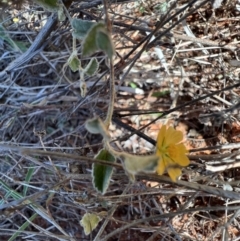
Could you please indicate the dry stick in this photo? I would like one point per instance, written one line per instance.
(220, 147)
(31, 198)
(34, 49)
(146, 42)
(111, 212)
(109, 115)
(150, 177)
(214, 157)
(178, 108)
(181, 19)
(205, 41)
(222, 167)
(71, 157)
(39, 135)
(167, 223)
(94, 3)
(179, 36)
(147, 39)
(159, 25)
(236, 215)
(44, 230)
(162, 23)
(167, 215)
(32, 233)
(212, 190)
(118, 122)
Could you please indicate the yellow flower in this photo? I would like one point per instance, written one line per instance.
(171, 151)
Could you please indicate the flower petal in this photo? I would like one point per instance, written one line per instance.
(161, 166)
(182, 148)
(181, 158)
(173, 136)
(183, 161)
(174, 173)
(170, 163)
(161, 136)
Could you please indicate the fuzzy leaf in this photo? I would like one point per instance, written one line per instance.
(61, 14)
(80, 28)
(92, 67)
(101, 173)
(89, 222)
(89, 45)
(96, 126)
(104, 42)
(74, 62)
(134, 164)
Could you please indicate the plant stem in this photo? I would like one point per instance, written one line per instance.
(112, 96)
(112, 86)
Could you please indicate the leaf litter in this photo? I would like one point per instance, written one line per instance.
(37, 97)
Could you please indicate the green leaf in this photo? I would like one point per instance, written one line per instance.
(96, 126)
(50, 5)
(74, 62)
(23, 227)
(104, 42)
(92, 67)
(101, 173)
(27, 180)
(81, 27)
(134, 164)
(160, 93)
(133, 85)
(89, 45)
(89, 222)
(97, 38)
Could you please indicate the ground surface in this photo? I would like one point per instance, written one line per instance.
(188, 77)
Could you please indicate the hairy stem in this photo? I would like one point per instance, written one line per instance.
(112, 96)
(112, 86)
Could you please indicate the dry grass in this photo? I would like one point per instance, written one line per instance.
(189, 77)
